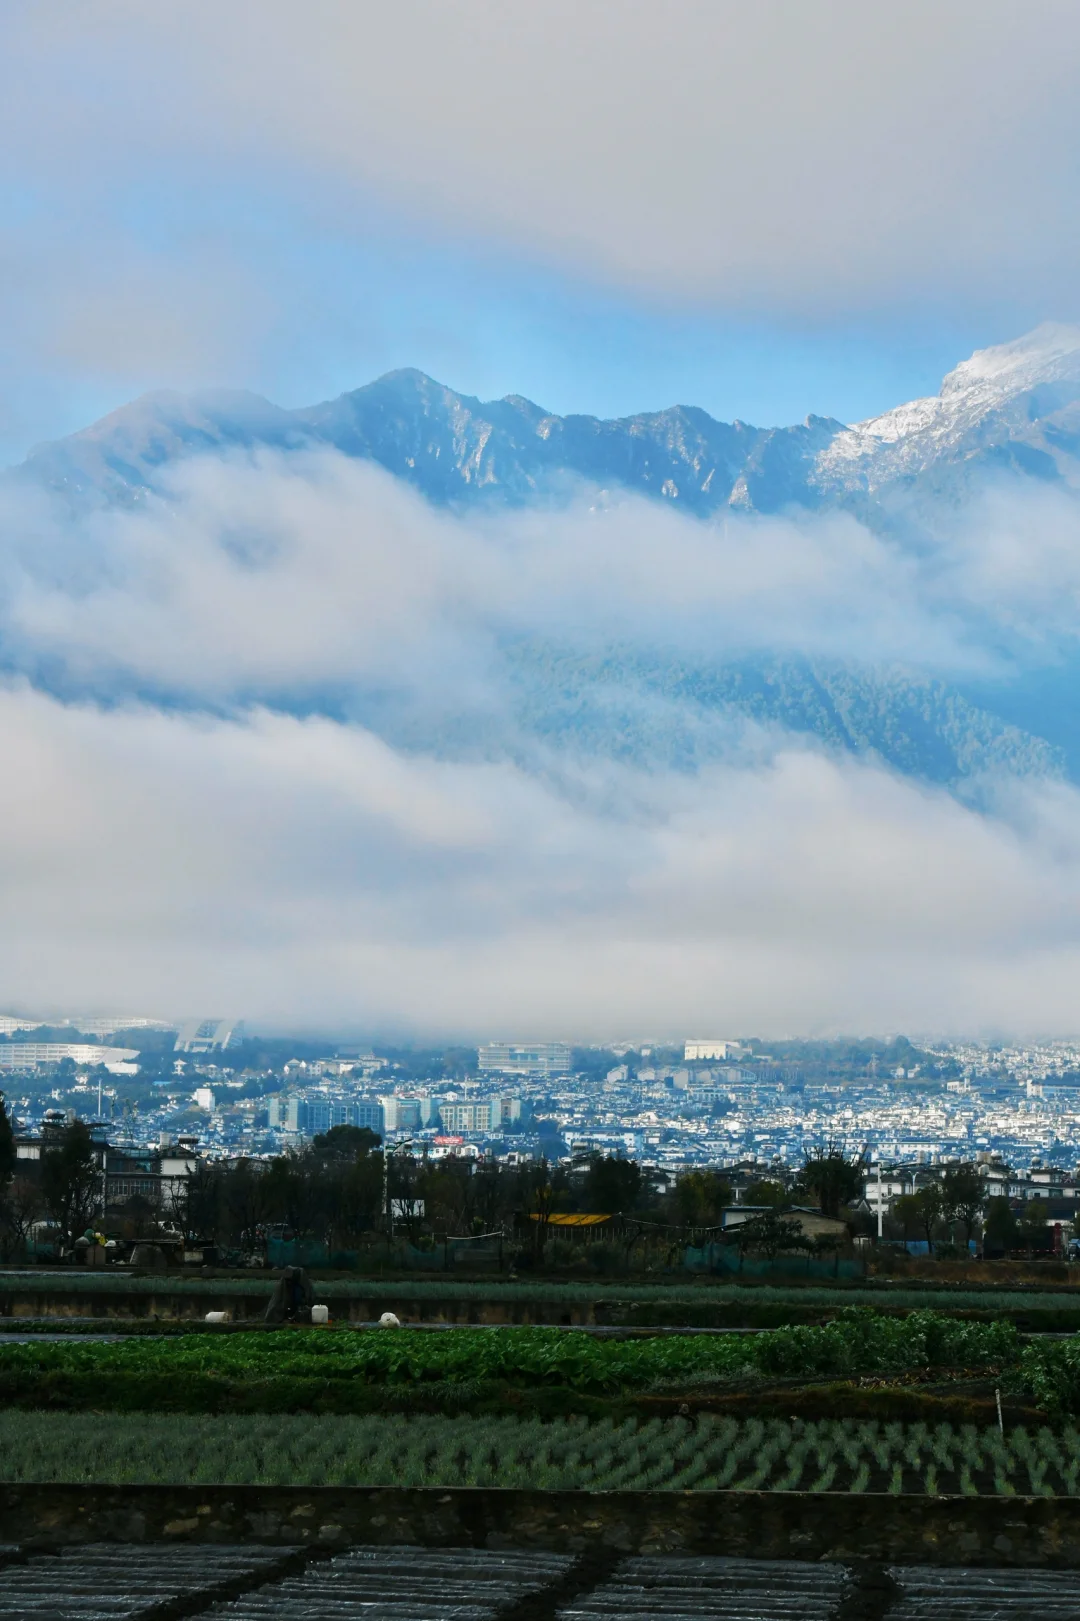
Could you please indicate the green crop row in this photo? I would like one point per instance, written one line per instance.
(857, 1342)
(707, 1453)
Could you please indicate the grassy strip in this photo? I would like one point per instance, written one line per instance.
(706, 1293)
(959, 1401)
(618, 1314)
(704, 1453)
(858, 1342)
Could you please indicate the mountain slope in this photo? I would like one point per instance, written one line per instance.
(648, 709)
(1015, 406)
(123, 455)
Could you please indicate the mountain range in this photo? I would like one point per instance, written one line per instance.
(1014, 407)
(1010, 411)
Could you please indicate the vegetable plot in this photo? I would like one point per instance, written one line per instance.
(858, 1342)
(701, 1454)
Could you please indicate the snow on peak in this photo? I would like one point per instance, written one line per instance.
(907, 438)
(1050, 352)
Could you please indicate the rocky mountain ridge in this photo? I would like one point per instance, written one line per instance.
(1016, 406)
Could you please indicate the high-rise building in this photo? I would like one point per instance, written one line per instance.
(309, 1115)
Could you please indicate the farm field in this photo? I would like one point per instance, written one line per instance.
(702, 1454)
(858, 1342)
(920, 1367)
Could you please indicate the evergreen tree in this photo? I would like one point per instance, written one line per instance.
(7, 1145)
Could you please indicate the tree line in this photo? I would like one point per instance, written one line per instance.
(341, 1189)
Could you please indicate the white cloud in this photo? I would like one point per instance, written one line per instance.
(301, 870)
(307, 869)
(767, 155)
(288, 575)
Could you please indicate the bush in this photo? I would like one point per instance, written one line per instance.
(1049, 1371)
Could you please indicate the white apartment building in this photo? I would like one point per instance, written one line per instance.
(491, 1115)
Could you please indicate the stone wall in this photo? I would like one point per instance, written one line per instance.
(774, 1525)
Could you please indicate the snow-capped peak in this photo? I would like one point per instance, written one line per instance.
(1051, 351)
(903, 440)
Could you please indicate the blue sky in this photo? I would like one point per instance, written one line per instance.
(325, 304)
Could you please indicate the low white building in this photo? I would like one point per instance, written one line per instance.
(700, 1052)
(34, 1054)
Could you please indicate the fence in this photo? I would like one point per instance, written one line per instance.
(484, 1251)
(725, 1259)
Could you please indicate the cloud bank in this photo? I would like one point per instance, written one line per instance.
(809, 160)
(204, 806)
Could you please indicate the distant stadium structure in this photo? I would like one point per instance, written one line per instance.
(208, 1035)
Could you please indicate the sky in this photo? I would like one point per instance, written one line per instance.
(756, 206)
(762, 209)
